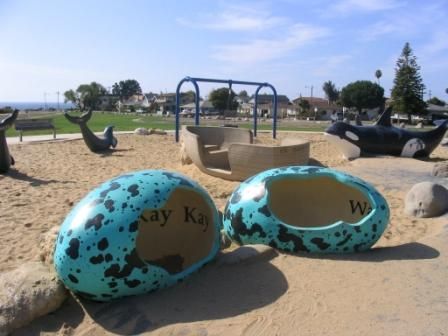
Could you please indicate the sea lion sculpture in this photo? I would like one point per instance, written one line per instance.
(6, 160)
(94, 143)
(384, 139)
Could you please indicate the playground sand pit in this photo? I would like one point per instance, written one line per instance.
(398, 288)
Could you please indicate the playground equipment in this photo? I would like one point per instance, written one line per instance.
(384, 139)
(94, 143)
(137, 233)
(6, 160)
(305, 208)
(229, 153)
(230, 82)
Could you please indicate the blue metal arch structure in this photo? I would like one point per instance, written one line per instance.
(195, 81)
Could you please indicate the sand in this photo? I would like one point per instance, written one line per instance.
(398, 288)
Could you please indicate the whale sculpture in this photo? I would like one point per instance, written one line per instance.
(384, 139)
(94, 143)
(6, 160)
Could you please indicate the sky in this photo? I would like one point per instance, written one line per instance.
(51, 46)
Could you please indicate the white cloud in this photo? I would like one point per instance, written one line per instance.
(354, 6)
(260, 50)
(235, 18)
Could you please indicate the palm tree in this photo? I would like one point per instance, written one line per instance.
(378, 75)
(331, 91)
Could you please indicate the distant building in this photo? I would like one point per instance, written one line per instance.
(265, 106)
(320, 108)
(167, 101)
(134, 103)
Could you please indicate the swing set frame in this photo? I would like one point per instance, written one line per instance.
(229, 82)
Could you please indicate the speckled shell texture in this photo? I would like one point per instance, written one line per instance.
(96, 254)
(248, 218)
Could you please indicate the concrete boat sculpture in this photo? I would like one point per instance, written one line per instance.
(384, 139)
(305, 208)
(136, 233)
(94, 143)
(6, 160)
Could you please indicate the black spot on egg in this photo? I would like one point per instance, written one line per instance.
(133, 190)
(73, 250)
(265, 210)
(343, 242)
(108, 257)
(113, 186)
(284, 236)
(132, 283)
(103, 244)
(112, 284)
(133, 226)
(95, 222)
(73, 278)
(109, 205)
(97, 259)
(320, 243)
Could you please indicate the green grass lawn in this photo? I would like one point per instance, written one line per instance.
(130, 122)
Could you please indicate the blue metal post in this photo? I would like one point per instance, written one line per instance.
(196, 99)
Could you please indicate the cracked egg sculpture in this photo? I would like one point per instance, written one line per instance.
(304, 208)
(136, 233)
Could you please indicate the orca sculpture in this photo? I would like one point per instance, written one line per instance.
(6, 160)
(94, 143)
(384, 139)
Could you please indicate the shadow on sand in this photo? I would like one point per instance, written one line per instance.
(409, 251)
(203, 296)
(34, 182)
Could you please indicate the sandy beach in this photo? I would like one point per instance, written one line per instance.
(397, 288)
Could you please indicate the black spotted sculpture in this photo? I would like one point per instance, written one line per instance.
(384, 139)
(6, 160)
(94, 143)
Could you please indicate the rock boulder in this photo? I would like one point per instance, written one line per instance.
(426, 199)
(26, 293)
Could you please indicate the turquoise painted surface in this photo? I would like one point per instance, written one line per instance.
(95, 254)
(249, 220)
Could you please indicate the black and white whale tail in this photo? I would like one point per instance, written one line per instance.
(95, 144)
(6, 160)
(82, 119)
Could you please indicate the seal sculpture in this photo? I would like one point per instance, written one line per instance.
(306, 208)
(94, 143)
(136, 233)
(6, 160)
(384, 139)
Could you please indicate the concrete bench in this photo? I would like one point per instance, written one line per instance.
(22, 125)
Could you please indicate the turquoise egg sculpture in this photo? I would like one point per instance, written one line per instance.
(136, 233)
(306, 208)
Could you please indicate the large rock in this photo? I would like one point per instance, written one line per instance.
(30, 291)
(47, 243)
(426, 199)
(246, 253)
(440, 169)
(141, 131)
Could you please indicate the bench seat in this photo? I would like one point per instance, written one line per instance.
(23, 125)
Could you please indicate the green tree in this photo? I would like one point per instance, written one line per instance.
(408, 89)
(304, 105)
(86, 96)
(362, 94)
(127, 88)
(223, 100)
(378, 75)
(436, 101)
(331, 92)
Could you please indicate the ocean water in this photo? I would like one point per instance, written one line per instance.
(37, 105)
